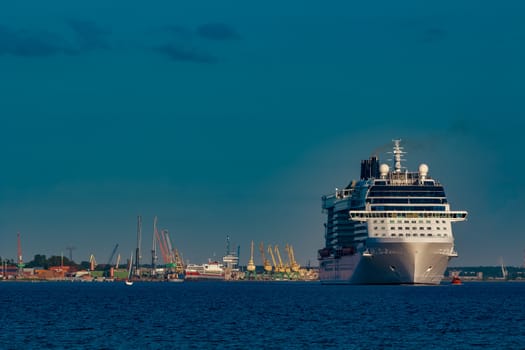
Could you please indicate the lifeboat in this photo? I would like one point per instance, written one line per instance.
(455, 280)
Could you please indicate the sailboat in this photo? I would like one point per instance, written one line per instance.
(129, 282)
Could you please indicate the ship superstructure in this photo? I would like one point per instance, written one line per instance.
(390, 227)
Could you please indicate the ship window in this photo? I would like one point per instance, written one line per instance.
(429, 228)
(407, 228)
(392, 221)
(439, 228)
(393, 235)
(443, 221)
(437, 221)
(421, 228)
(439, 234)
(375, 227)
(422, 235)
(400, 235)
(445, 235)
(414, 228)
(420, 221)
(413, 221)
(429, 235)
(428, 221)
(383, 235)
(399, 228)
(382, 228)
(392, 228)
(375, 221)
(406, 221)
(444, 228)
(408, 234)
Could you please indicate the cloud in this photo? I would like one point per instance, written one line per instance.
(217, 31)
(32, 44)
(183, 42)
(89, 35)
(186, 54)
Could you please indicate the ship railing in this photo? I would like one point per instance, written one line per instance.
(364, 215)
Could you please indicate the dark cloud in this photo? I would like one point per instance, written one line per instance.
(32, 44)
(90, 36)
(180, 53)
(217, 31)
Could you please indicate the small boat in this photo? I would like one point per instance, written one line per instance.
(455, 280)
(129, 282)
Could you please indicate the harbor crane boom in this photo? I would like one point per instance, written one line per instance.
(267, 265)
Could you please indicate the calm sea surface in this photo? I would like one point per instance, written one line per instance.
(253, 315)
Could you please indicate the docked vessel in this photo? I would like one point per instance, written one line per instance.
(211, 270)
(389, 227)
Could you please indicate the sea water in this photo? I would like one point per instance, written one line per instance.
(260, 315)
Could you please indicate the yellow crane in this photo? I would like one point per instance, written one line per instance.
(282, 268)
(294, 266)
(275, 267)
(267, 265)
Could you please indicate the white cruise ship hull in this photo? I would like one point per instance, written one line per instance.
(389, 263)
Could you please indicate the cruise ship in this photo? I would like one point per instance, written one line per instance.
(391, 226)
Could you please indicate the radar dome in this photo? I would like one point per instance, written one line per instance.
(423, 170)
(383, 170)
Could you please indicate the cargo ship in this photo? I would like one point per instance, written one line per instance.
(391, 226)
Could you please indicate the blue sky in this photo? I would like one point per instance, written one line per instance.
(234, 118)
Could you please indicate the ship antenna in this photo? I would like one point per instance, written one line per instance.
(398, 155)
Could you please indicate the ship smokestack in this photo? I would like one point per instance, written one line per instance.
(370, 168)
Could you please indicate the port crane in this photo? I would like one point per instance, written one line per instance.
(118, 261)
(283, 269)
(266, 264)
(107, 267)
(170, 256)
(294, 266)
(275, 266)
(250, 268)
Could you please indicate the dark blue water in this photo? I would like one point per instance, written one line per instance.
(244, 315)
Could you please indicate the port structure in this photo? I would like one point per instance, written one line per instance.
(108, 268)
(92, 263)
(20, 261)
(170, 256)
(294, 266)
(251, 272)
(136, 269)
(284, 269)
(267, 266)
